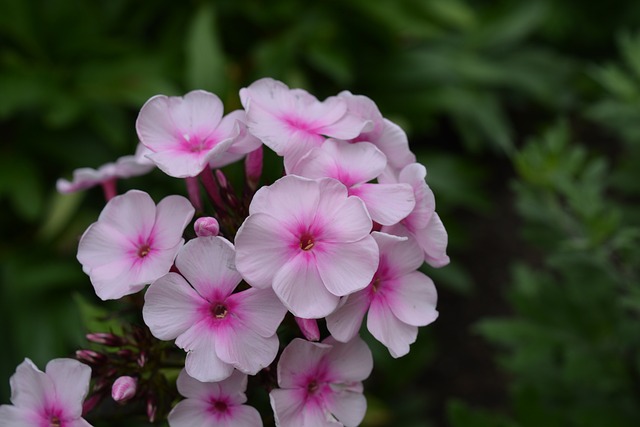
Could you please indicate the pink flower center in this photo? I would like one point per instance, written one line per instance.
(219, 311)
(306, 242)
(375, 283)
(313, 387)
(144, 250)
(220, 406)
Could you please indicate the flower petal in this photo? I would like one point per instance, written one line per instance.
(348, 407)
(298, 360)
(30, 387)
(290, 410)
(192, 413)
(387, 204)
(259, 310)
(208, 263)
(390, 331)
(173, 214)
(349, 362)
(345, 322)
(202, 361)
(301, 289)
(413, 299)
(245, 349)
(399, 255)
(170, 307)
(71, 381)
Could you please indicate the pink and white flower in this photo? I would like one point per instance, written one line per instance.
(355, 165)
(219, 329)
(213, 404)
(50, 398)
(423, 224)
(310, 241)
(187, 134)
(398, 299)
(124, 167)
(133, 242)
(292, 121)
(321, 384)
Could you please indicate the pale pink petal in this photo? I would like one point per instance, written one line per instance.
(348, 163)
(348, 127)
(12, 416)
(180, 164)
(298, 360)
(245, 416)
(348, 407)
(300, 143)
(83, 178)
(342, 219)
(102, 244)
(290, 411)
(200, 112)
(387, 204)
(413, 299)
(309, 328)
(170, 306)
(394, 144)
(80, 422)
(130, 166)
(299, 286)
(132, 214)
(345, 322)
(208, 265)
(246, 142)
(173, 214)
(347, 267)
(245, 349)
(202, 361)
(363, 107)
(193, 389)
(30, 387)
(390, 331)
(259, 310)
(291, 199)
(400, 255)
(260, 246)
(349, 362)
(71, 380)
(433, 239)
(263, 124)
(192, 413)
(233, 388)
(154, 124)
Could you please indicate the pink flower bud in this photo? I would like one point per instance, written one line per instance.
(206, 226)
(309, 328)
(124, 388)
(105, 339)
(253, 167)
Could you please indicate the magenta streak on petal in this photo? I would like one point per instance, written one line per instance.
(190, 143)
(296, 123)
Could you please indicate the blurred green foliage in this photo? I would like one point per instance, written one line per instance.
(469, 80)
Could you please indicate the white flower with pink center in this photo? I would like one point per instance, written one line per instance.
(292, 121)
(321, 384)
(219, 329)
(133, 242)
(310, 241)
(355, 165)
(219, 404)
(47, 399)
(398, 299)
(186, 134)
(423, 224)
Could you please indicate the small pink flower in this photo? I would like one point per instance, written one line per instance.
(50, 398)
(423, 224)
(321, 384)
(188, 133)
(124, 167)
(219, 329)
(292, 121)
(398, 299)
(355, 165)
(124, 388)
(133, 242)
(214, 403)
(308, 240)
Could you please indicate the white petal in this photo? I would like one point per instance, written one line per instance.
(413, 300)
(387, 204)
(346, 268)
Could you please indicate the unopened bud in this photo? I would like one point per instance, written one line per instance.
(253, 167)
(152, 408)
(105, 339)
(222, 180)
(206, 226)
(91, 357)
(124, 388)
(309, 328)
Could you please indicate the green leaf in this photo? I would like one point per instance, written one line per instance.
(205, 61)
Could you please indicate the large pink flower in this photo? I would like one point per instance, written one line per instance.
(310, 241)
(219, 329)
(292, 121)
(423, 224)
(321, 384)
(219, 404)
(355, 165)
(188, 133)
(399, 298)
(133, 242)
(50, 398)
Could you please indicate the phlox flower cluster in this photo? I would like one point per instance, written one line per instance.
(338, 238)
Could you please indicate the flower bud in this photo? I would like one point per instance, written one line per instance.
(253, 167)
(124, 388)
(105, 339)
(206, 226)
(309, 328)
(91, 357)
